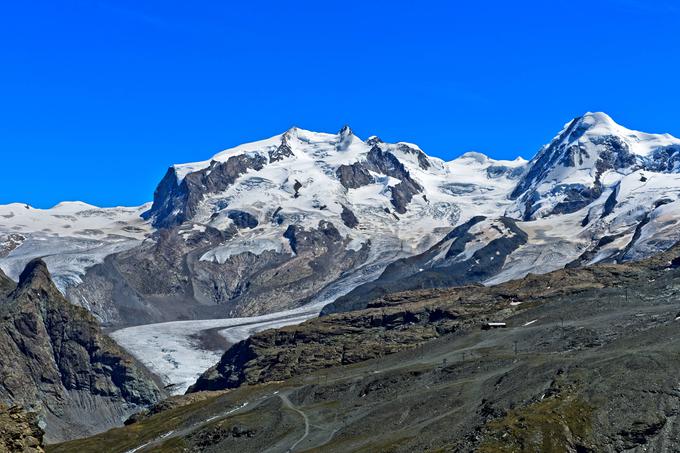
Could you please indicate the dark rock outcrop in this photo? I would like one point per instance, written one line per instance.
(167, 280)
(430, 270)
(665, 160)
(161, 280)
(282, 152)
(242, 219)
(175, 201)
(385, 163)
(55, 360)
(610, 203)
(7, 285)
(423, 161)
(354, 176)
(348, 217)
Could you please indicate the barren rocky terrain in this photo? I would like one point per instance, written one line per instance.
(56, 362)
(588, 362)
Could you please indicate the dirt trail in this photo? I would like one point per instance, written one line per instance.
(290, 405)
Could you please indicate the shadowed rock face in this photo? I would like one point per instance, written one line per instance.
(175, 202)
(242, 219)
(55, 360)
(423, 161)
(282, 152)
(348, 217)
(354, 176)
(666, 159)
(6, 285)
(166, 280)
(383, 162)
(430, 270)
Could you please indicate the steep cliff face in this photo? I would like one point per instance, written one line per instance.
(6, 285)
(176, 200)
(55, 360)
(167, 280)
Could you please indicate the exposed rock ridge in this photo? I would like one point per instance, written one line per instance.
(55, 360)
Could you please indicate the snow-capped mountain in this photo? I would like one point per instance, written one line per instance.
(307, 177)
(590, 154)
(300, 217)
(71, 237)
(597, 193)
(288, 225)
(305, 217)
(609, 190)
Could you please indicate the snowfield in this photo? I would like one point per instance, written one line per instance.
(70, 237)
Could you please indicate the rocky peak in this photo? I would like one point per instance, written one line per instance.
(55, 359)
(284, 150)
(345, 131)
(193, 188)
(345, 138)
(35, 277)
(373, 140)
(568, 173)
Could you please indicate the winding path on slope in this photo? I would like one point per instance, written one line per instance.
(290, 405)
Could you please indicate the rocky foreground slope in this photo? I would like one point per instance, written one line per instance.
(55, 361)
(19, 431)
(588, 362)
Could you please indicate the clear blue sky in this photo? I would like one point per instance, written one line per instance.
(98, 98)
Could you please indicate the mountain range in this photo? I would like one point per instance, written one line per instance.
(305, 217)
(276, 231)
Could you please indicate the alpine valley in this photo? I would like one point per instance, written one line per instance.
(320, 291)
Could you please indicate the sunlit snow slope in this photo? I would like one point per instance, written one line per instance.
(71, 237)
